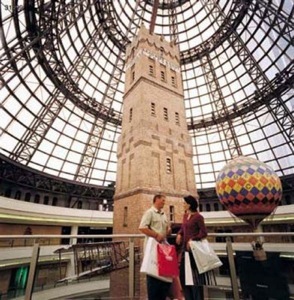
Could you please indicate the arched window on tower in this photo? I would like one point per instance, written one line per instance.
(207, 206)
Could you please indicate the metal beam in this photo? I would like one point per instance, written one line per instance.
(32, 273)
(153, 17)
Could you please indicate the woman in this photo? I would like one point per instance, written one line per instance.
(193, 228)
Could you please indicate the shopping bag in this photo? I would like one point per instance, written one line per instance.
(149, 264)
(167, 260)
(188, 270)
(204, 256)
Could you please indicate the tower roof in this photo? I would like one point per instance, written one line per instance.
(157, 42)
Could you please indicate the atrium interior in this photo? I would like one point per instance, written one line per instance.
(63, 76)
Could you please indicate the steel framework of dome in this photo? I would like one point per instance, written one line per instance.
(62, 81)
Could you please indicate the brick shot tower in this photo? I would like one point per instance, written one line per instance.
(154, 149)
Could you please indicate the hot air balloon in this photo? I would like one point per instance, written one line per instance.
(249, 189)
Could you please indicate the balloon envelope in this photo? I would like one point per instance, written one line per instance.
(249, 189)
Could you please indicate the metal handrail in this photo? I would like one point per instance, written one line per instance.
(226, 234)
(131, 252)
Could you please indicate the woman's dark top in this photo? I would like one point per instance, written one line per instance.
(192, 228)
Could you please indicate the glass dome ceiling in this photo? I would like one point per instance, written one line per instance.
(62, 81)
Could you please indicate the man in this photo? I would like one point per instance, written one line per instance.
(154, 224)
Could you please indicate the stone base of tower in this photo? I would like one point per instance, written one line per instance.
(119, 283)
(128, 211)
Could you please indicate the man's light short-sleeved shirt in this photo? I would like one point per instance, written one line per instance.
(155, 220)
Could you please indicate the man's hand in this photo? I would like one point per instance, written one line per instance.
(159, 237)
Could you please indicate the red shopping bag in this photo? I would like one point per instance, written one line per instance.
(167, 260)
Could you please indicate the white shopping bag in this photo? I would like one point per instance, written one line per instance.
(149, 264)
(204, 255)
(188, 270)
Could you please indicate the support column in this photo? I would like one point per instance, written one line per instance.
(70, 268)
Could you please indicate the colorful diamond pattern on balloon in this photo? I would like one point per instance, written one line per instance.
(246, 186)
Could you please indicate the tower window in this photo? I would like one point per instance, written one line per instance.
(153, 112)
(151, 70)
(125, 219)
(162, 72)
(168, 166)
(177, 118)
(151, 67)
(165, 113)
(174, 79)
(131, 115)
(133, 73)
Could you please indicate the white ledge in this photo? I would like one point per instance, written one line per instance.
(18, 211)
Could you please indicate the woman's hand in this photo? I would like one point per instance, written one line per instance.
(178, 239)
(188, 245)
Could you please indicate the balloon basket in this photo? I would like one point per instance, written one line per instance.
(259, 255)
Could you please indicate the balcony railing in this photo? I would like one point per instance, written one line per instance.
(43, 267)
